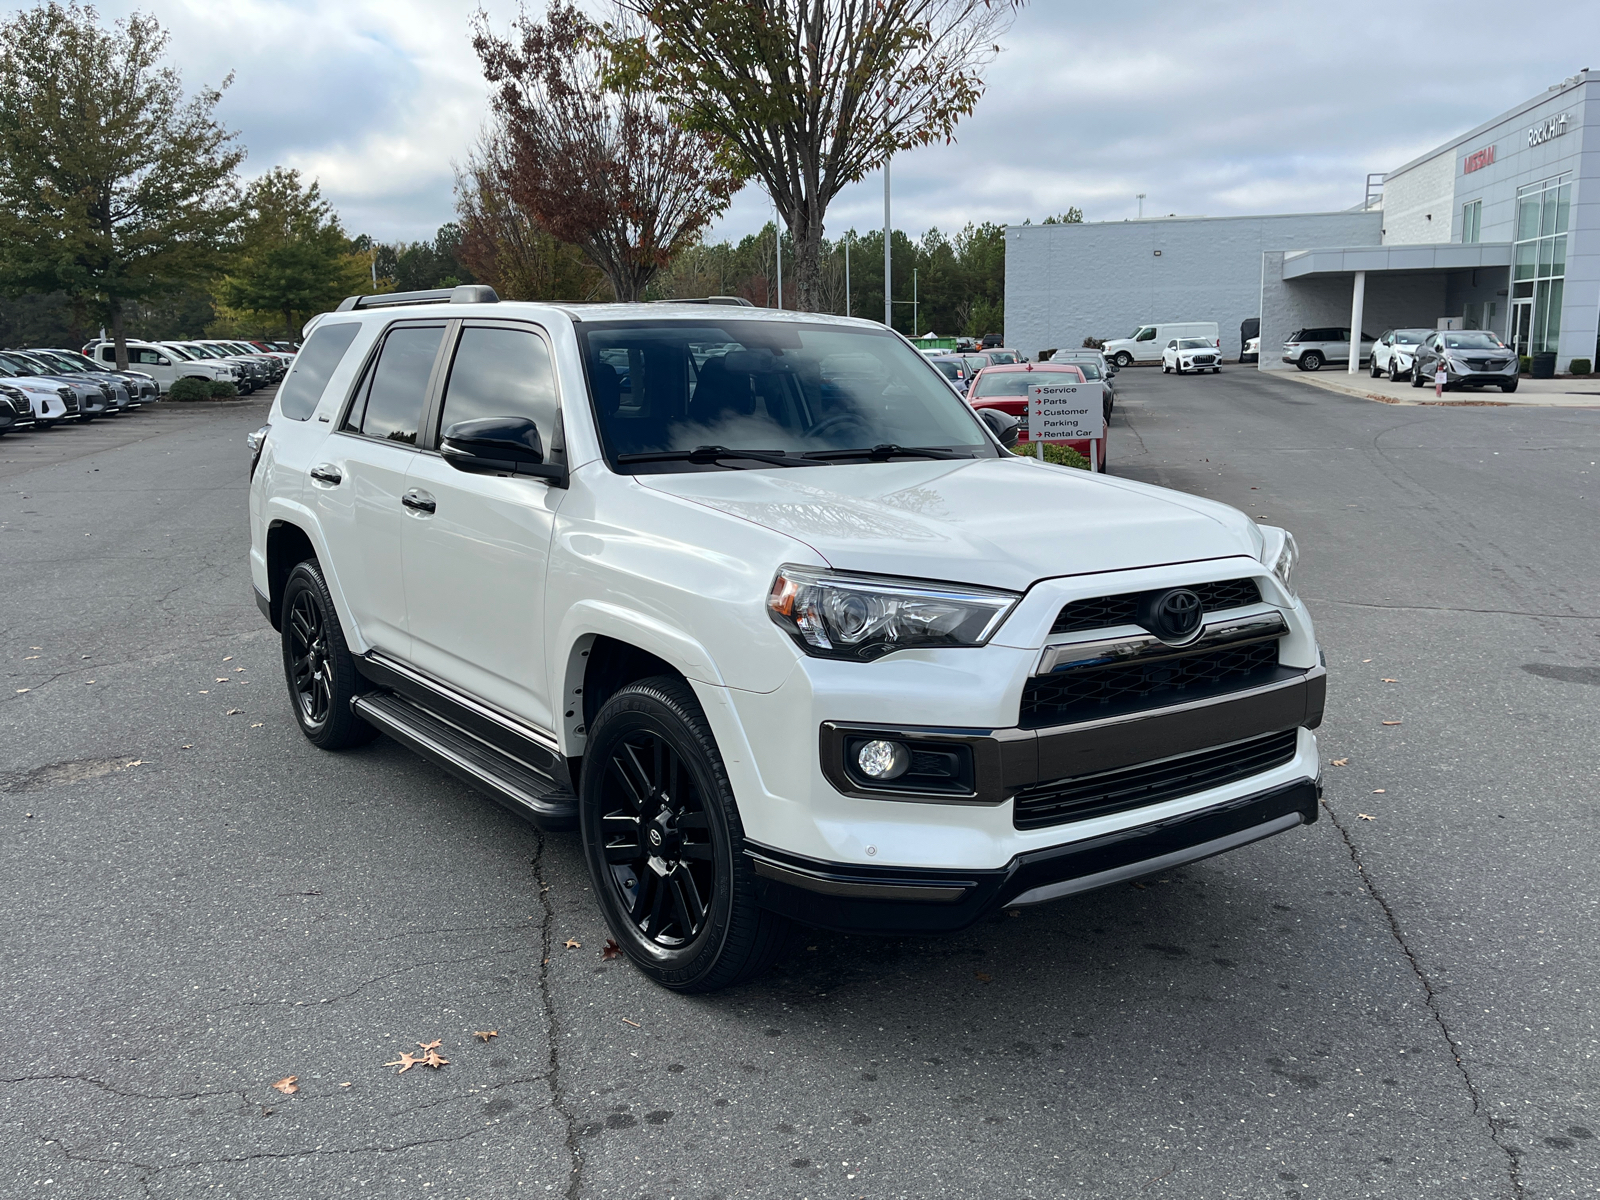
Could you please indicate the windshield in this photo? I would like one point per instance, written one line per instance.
(1472, 341)
(1015, 383)
(27, 362)
(1193, 344)
(1002, 358)
(1410, 337)
(790, 387)
(1090, 370)
(177, 352)
(952, 371)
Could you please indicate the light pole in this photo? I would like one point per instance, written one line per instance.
(1141, 206)
(777, 234)
(888, 264)
(847, 274)
(916, 325)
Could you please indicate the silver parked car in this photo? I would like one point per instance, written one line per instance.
(1310, 349)
(1471, 358)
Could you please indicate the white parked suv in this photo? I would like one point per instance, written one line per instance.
(770, 616)
(1191, 354)
(1395, 351)
(165, 364)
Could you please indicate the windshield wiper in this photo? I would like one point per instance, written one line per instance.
(884, 451)
(714, 454)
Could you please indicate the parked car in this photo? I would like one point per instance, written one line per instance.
(1394, 351)
(165, 364)
(1095, 370)
(955, 368)
(89, 399)
(1311, 349)
(1005, 388)
(1252, 351)
(52, 401)
(1146, 343)
(249, 374)
(114, 393)
(1191, 354)
(1250, 339)
(16, 410)
(272, 363)
(142, 387)
(1471, 358)
(876, 675)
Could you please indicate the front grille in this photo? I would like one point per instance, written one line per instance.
(1088, 796)
(1088, 694)
(1104, 611)
(1206, 359)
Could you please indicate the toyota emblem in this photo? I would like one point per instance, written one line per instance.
(655, 837)
(1174, 616)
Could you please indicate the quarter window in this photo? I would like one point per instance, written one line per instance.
(389, 405)
(302, 390)
(502, 373)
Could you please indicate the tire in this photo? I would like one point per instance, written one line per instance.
(1394, 370)
(1509, 386)
(1123, 360)
(1416, 376)
(665, 846)
(1216, 370)
(1311, 360)
(1166, 370)
(317, 666)
(1372, 368)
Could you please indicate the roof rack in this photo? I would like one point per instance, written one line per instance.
(735, 300)
(467, 293)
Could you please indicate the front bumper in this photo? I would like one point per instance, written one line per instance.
(892, 900)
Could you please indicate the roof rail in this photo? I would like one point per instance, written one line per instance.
(736, 300)
(467, 293)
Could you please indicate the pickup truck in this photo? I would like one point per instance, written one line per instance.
(759, 607)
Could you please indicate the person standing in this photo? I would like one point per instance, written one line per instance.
(1439, 378)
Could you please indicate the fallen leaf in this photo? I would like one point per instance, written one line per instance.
(1366, 660)
(433, 1059)
(611, 950)
(222, 679)
(433, 1045)
(344, 1085)
(31, 657)
(635, 1024)
(483, 1035)
(228, 658)
(573, 944)
(233, 712)
(1391, 681)
(1364, 817)
(186, 747)
(204, 692)
(1391, 722)
(405, 1062)
(238, 668)
(1380, 791)
(981, 976)
(1341, 762)
(257, 724)
(286, 1085)
(21, 690)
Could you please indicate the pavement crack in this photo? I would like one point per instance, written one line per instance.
(67, 1077)
(1479, 1107)
(558, 1099)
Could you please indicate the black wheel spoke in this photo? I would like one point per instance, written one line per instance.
(693, 820)
(658, 906)
(694, 852)
(686, 897)
(622, 852)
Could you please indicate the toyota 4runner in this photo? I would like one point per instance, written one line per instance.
(770, 616)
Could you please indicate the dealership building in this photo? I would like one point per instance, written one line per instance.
(1497, 229)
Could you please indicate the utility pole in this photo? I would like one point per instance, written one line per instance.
(888, 263)
(777, 225)
(1141, 206)
(916, 325)
(847, 274)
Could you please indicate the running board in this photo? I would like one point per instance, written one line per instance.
(514, 784)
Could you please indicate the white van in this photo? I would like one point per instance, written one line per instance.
(1145, 343)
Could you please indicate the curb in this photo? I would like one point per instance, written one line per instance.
(1379, 398)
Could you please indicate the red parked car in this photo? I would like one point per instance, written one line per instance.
(1006, 388)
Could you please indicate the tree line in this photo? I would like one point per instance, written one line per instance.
(614, 144)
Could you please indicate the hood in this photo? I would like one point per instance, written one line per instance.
(997, 522)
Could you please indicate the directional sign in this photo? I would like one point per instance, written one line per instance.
(1065, 412)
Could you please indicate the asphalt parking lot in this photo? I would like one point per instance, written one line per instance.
(1398, 1001)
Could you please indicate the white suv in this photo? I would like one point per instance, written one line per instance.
(769, 615)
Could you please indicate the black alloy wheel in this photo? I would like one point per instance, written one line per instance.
(664, 843)
(317, 665)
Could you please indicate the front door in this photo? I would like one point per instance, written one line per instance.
(1521, 324)
(357, 486)
(476, 562)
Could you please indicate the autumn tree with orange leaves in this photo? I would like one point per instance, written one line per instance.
(811, 95)
(595, 160)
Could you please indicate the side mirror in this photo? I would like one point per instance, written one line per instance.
(163, 362)
(1004, 426)
(499, 445)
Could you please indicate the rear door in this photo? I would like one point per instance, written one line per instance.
(476, 559)
(358, 485)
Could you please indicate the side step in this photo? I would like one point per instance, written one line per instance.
(514, 784)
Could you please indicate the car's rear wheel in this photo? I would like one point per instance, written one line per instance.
(1311, 361)
(317, 664)
(665, 846)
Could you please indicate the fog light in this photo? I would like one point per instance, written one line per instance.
(883, 760)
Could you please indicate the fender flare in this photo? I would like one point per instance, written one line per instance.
(291, 512)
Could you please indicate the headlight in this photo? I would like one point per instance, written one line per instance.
(836, 615)
(1280, 553)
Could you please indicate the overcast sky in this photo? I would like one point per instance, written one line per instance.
(1208, 109)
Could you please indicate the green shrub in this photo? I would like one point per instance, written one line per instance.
(221, 389)
(1581, 366)
(1062, 456)
(190, 389)
(1525, 363)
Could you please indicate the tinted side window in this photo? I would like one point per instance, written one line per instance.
(1146, 335)
(502, 373)
(150, 358)
(302, 390)
(390, 404)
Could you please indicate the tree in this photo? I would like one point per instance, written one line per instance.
(502, 245)
(598, 164)
(295, 260)
(113, 186)
(811, 95)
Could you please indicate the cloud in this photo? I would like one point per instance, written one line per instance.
(1206, 108)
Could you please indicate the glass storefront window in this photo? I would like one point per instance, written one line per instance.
(1527, 217)
(1527, 252)
(1471, 221)
(1563, 204)
(1539, 261)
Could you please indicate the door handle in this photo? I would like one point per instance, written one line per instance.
(327, 474)
(420, 501)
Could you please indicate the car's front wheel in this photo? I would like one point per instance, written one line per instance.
(1311, 361)
(1123, 359)
(1509, 385)
(317, 665)
(665, 845)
